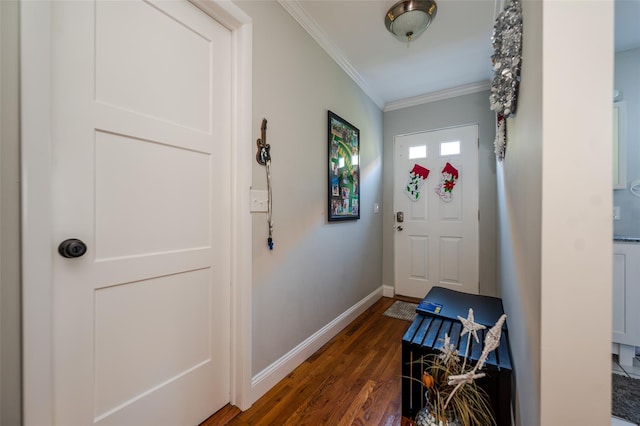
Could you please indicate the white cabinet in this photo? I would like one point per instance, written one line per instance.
(626, 300)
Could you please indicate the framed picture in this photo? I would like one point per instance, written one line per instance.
(344, 169)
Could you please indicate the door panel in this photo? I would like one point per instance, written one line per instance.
(139, 69)
(437, 243)
(419, 256)
(152, 317)
(451, 260)
(148, 194)
(452, 212)
(141, 148)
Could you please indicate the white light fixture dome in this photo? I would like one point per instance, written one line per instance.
(407, 19)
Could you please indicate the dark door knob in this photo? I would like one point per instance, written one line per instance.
(72, 247)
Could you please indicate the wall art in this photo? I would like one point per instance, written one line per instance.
(344, 169)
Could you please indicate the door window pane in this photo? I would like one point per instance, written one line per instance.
(417, 152)
(450, 148)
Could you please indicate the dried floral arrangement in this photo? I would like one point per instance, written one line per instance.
(452, 394)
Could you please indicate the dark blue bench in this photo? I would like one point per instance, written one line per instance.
(437, 316)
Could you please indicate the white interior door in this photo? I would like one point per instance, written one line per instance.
(436, 243)
(141, 152)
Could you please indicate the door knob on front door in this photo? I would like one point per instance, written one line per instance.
(71, 248)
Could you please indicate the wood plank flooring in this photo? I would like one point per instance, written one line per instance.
(352, 380)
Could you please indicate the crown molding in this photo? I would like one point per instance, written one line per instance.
(438, 96)
(294, 8)
(297, 12)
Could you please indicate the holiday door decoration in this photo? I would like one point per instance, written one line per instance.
(507, 61)
(448, 181)
(344, 169)
(417, 176)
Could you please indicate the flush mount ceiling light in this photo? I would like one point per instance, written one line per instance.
(407, 19)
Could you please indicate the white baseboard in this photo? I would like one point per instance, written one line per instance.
(388, 291)
(270, 376)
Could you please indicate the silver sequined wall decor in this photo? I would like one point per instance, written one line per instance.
(500, 142)
(506, 59)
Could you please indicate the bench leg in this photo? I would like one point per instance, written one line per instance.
(626, 354)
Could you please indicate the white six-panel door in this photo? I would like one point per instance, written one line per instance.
(141, 173)
(436, 244)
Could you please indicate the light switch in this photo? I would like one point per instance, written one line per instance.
(259, 201)
(376, 208)
(616, 213)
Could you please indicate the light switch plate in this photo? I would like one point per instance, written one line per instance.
(259, 201)
(616, 213)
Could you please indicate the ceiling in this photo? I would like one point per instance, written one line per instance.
(452, 57)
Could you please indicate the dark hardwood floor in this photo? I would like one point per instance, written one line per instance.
(352, 380)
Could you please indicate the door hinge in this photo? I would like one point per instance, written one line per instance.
(478, 143)
(478, 215)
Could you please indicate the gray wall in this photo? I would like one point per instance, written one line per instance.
(461, 110)
(555, 228)
(627, 80)
(519, 219)
(317, 270)
(10, 387)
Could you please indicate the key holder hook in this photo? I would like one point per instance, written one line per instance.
(263, 157)
(264, 149)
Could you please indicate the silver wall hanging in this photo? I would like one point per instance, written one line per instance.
(507, 62)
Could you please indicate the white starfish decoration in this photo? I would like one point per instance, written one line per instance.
(471, 327)
(491, 342)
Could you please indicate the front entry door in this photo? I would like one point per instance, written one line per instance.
(436, 223)
(141, 174)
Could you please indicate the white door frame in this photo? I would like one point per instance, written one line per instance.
(37, 244)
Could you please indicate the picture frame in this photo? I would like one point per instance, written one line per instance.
(344, 169)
